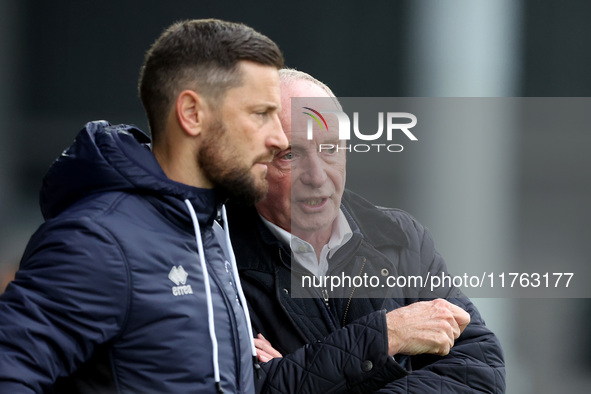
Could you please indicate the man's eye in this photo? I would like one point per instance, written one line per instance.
(288, 156)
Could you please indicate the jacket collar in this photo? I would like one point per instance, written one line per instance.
(376, 226)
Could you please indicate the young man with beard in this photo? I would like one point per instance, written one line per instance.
(309, 225)
(128, 287)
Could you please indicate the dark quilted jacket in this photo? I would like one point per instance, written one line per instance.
(385, 241)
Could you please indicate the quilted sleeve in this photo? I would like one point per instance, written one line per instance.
(475, 364)
(69, 295)
(353, 359)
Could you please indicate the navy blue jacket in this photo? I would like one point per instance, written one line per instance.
(385, 242)
(110, 294)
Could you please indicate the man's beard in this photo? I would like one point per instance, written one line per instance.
(220, 167)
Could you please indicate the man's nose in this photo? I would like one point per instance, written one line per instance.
(314, 171)
(277, 140)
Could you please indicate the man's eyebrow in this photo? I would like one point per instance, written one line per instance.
(267, 105)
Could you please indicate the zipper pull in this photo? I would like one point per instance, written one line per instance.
(325, 296)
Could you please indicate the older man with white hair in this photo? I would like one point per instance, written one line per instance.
(309, 225)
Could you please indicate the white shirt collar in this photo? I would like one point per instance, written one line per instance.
(303, 252)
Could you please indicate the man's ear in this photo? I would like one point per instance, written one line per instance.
(190, 109)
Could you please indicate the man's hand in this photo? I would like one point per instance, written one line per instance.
(265, 351)
(425, 327)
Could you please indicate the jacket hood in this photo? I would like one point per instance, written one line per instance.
(105, 158)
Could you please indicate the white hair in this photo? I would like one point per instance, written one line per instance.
(290, 75)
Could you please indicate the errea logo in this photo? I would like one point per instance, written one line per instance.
(178, 276)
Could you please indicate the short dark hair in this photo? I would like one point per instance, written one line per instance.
(202, 55)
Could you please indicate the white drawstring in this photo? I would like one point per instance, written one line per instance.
(237, 281)
(210, 317)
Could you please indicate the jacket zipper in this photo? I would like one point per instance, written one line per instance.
(325, 295)
(351, 295)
